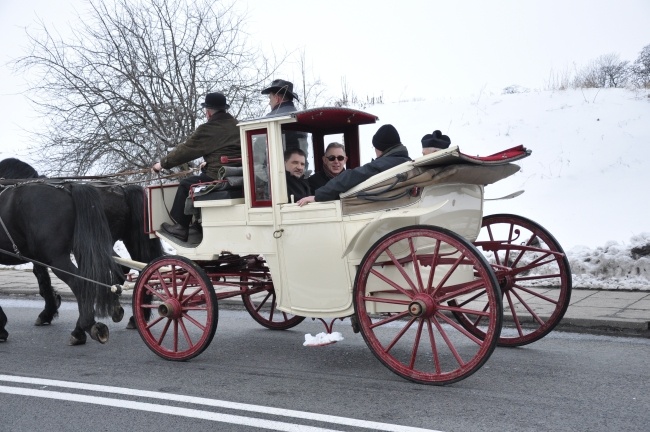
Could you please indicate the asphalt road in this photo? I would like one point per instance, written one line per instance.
(253, 379)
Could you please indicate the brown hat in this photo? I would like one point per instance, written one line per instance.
(285, 88)
(386, 137)
(215, 101)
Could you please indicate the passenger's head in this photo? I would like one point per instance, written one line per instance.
(335, 158)
(214, 102)
(294, 162)
(385, 138)
(280, 91)
(434, 142)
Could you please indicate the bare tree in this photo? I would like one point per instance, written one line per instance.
(127, 85)
(606, 71)
(640, 69)
(313, 90)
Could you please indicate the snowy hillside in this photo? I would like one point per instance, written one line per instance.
(585, 180)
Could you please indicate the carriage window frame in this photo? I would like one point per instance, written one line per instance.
(256, 200)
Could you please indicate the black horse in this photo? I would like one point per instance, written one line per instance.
(47, 223)
(125, 211)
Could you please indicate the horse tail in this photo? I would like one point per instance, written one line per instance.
(142, 248)
(93, 250)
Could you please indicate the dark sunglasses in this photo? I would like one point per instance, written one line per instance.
(332, 158)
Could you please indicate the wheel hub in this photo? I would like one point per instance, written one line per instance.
(422, 306)
(170, 309)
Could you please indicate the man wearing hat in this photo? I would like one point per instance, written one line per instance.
(217, 137)
(281, 97)
(390, 152)
(431, 143)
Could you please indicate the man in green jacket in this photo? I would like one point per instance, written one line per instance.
(217, 137)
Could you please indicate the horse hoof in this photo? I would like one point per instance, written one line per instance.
(42, 322)
(74, 341)
(131, 324)
(118, 314)
(99, 332)
(3, 335)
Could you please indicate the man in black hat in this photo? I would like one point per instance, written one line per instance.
(390, 152)
(431, 143)
(281, 97)
(217, 137)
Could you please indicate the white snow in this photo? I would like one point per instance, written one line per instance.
(322, 339)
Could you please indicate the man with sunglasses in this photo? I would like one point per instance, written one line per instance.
(390, 152)
(333, 164)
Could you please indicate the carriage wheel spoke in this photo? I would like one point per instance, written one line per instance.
(434, 349)
(400, 268)
(416, 344)
(399, 335)
(526, 305)
(164, 331)
(450, 345)
(536, 294)
(186, 333)
(389, 319)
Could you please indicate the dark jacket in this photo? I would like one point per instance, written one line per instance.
(283, 108)
(318, 180)
(298, 187)
(352, 177)
(217, 137)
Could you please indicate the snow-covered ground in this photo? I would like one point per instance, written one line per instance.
(583, 182)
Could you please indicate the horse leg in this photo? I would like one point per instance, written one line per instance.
(3, 322)
(49, 294)
(85, 295)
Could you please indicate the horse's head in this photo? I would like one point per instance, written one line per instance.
(12, 168)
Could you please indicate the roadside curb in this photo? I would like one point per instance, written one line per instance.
(606, 327)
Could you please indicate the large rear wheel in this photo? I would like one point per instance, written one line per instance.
(401, 295)
(184, 306)
(534, 276)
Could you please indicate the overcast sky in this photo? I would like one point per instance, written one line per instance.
(400, 50)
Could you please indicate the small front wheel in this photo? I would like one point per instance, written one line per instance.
(401, 295)
(181, 298)
(260, 302)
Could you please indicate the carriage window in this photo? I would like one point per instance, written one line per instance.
(261, 183)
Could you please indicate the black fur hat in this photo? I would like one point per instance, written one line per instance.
(436, 139)
(386, 137)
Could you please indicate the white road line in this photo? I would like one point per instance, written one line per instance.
(208, 402)
(163, 409)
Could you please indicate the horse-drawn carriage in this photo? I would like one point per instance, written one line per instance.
(407, 256)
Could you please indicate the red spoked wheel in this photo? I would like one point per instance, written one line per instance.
(184, 306)
(260, 302)
(534, 276)
(401, 295)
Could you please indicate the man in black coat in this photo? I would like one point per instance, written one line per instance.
(390, 153)
(334, 161)
(217, 137)
(281, 97)
(294, 165)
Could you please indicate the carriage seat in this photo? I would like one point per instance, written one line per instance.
(222, 191)
(401, 185)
